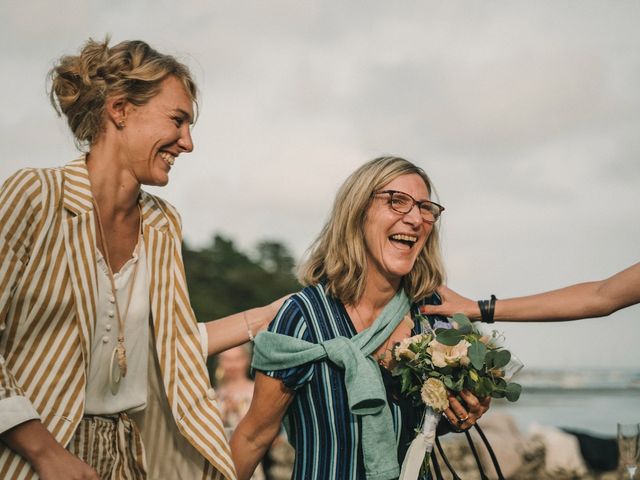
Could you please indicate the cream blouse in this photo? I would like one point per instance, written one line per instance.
(131, 393)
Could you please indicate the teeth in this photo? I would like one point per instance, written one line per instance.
(170, 159)
(406, 238)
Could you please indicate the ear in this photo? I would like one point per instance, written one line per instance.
(117, 109)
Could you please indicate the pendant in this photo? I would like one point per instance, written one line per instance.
(122, 356)
(114, 372)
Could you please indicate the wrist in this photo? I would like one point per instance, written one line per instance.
(472, 310)
(487, 309)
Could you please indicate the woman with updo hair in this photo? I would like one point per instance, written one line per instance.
(102, 371)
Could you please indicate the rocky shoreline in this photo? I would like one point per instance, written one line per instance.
(544, 453)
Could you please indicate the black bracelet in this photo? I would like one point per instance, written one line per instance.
(487, 308)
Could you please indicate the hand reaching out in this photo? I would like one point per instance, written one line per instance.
(452, 303)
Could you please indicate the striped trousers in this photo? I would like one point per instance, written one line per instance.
(112, 446)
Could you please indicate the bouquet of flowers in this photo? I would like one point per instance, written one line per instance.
(452, 356)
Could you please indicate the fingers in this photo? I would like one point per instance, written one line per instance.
(432, 310)
(458, 415)
(444, 292)
(464, 414)
(470, 400)
(475, 405)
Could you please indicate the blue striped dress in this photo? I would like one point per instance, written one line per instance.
(324, 433)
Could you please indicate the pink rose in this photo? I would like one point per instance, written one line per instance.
(443, 355)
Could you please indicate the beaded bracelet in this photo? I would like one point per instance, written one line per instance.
(246, 321)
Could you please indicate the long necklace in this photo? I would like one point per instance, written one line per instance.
(119, 352)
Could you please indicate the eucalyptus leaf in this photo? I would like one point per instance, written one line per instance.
(502, 357)
(464, 324)
(487, 385)
(449, 337)
(406, 380)
(477, 352)
(448, 382)
(500, 383)
(513, 391)
(457, 386)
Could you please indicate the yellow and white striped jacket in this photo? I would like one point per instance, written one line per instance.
(48, 294)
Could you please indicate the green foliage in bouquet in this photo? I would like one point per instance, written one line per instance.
(459, 358)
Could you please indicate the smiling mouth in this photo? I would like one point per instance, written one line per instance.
(167, 157)
(409, 240)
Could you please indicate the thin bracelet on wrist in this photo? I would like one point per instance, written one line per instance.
(246, 322)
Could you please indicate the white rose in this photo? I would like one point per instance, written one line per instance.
(402, 350)
(434, 394)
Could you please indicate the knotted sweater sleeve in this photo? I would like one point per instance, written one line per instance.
(291, 321)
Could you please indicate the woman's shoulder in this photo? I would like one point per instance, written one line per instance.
(32, 176)
(32, 188)
(304, 311)
(315, 303)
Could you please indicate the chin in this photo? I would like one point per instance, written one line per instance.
(157, 181)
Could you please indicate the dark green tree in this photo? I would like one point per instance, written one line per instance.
(223, 280)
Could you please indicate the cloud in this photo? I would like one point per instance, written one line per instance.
(525, 114)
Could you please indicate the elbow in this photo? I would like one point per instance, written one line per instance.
(603, 304)
(607, 308)
(599, 307)
(257, 437)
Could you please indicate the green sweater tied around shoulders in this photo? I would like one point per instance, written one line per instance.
(363, 380)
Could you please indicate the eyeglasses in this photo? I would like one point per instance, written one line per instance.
(403, 203)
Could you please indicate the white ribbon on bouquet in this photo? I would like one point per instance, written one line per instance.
(420, 446)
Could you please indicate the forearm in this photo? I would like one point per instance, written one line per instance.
(582, 300)
(569, 303)
(32, 441)
(260, 426)
(231, 331)
(41, 450)
(249, 446)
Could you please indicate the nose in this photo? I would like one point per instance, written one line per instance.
(185, 142)
(413, 216)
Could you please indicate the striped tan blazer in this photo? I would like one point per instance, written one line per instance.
(48, 294)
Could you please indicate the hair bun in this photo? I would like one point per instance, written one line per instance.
(81, 84)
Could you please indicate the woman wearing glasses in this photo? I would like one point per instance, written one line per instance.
(582, 300)
(374, 263)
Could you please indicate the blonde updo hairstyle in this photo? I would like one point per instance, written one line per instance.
(338, 256)
(81, 84)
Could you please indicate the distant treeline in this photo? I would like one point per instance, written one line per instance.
(223, 280)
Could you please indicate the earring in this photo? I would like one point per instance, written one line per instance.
(120, 124)
(219, 374)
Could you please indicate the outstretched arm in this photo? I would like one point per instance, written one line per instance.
(239, 328)
(582, 300)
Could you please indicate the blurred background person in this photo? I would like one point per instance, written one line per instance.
(235, 390)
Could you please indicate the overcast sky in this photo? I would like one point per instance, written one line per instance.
(526, 115)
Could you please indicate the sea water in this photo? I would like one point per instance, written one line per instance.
(588, 401)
